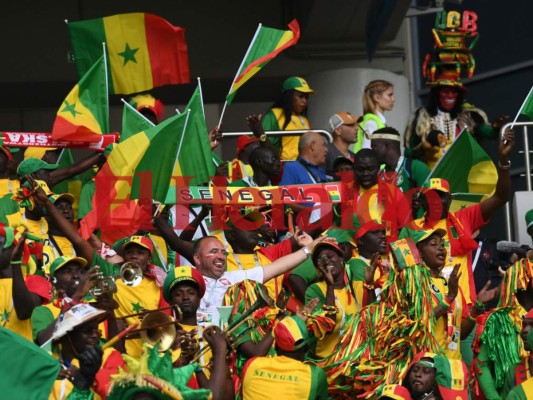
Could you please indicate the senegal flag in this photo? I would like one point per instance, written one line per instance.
(467, 167)
(138, 168)
(266, 44)
(84, 114)
(144, 50)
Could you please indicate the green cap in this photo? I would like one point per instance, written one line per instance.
(529, 219)
(67, 196)
(31, 165)
(60, 262)
(420, 234)
(297, 83)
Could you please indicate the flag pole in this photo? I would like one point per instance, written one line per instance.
(238, 72)
(440, 159)
(521, 107)
(135, 110)
(106, 87)
(201, 95)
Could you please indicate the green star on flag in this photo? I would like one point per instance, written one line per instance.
(136, 307)
(5, 315)
(128, 54)
(71, 108)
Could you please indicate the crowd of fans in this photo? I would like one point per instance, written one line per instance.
(379, 302)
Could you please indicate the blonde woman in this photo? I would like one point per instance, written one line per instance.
(378, 97)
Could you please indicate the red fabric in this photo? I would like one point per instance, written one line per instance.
(168, 52)
(40, 286)
(277, 251)
(110, 365)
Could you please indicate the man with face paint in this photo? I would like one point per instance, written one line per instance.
(433, 128)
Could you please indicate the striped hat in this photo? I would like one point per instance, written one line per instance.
(183, 273)
(439, 184)
(149, 102)
(396, 392)
(291, 333)
(451, 378)
(142, 241)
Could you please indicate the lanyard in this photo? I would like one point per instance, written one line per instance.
(239, 264)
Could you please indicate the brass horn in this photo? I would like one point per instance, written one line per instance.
(131, 274)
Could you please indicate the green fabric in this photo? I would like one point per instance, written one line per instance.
(306, 271)
(8, 206)
(319, 384)
(86, 197)
(195, 155)
(66, 160)
(356, 269)
(484, 376)
(527, 108)
(270, 123)
(466, 348)
(106, 268)
(41, 318)
(27, 372)
(419, 172)
(458, 163)
(132, 122)
(78, 394)
(239, 183)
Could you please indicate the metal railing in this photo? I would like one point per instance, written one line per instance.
(283, 133)
(527, 163)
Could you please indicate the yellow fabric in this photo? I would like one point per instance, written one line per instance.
(440, 326)
(451, 261)
(49, 251)
(5, 185)
(325, 346)
(7, 311)
(289, 144)
(119, 30)
(246, 169)
(132, 300)
(37, 228)
(83, 115)
(248, 262)
(160, 245)
(369, 204)
(276, 378)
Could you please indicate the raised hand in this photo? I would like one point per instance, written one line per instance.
(453, 283)
(485, 295)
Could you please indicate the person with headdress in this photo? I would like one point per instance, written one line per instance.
(406, 173)
(433, 128)
(21, 292)
(150, 107)
(285, 375)
(289, 112)
(434, 377)
(378, 97)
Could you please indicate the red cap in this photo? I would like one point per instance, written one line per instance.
(243, 141)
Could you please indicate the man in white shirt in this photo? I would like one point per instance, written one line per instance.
(210, 259)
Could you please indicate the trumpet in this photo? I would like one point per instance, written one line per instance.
(130, 274)
(263, 300)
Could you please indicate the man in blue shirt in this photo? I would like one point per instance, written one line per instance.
(308, 168)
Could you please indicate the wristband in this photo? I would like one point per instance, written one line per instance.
(368, 286)
(471, 318)
(445, 303)
(479, 305)
(19, 262)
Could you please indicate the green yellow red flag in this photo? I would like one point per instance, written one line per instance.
(138, 168)
(132, 122)
(144, 50)
(266, 44)
(467, 167)
(84, 114)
